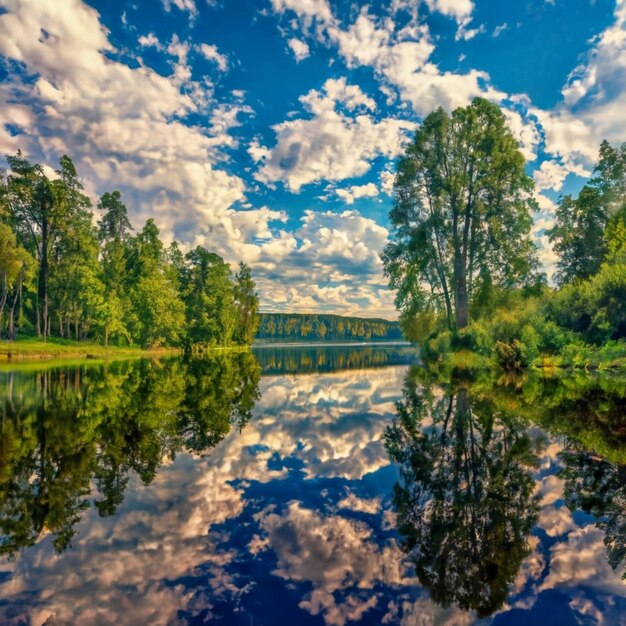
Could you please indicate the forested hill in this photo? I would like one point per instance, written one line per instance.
(306, 327)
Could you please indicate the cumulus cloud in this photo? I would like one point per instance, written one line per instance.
(211, 53)
(593, 107)
(581, 561)
(332, 553)
(338, 141)
(334, 265)
(126, 128)
(187, 6)
(399, 56)
(350, 194)
(299, 48)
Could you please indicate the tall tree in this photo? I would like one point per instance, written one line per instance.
(40, 210)
(579, 235)
(462, 211)
(16, 266)
(247, 303)
(159, 313)
(209, 296)
(114, 230)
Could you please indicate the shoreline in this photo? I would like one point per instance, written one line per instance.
(30, 350)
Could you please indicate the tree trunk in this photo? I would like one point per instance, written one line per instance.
(18, 297)
(460, 291)
(42, 283)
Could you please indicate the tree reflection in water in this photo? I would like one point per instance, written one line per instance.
(465, 504)
(597, 487)
(71, 437)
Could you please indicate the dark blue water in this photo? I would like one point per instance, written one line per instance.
(334, 488)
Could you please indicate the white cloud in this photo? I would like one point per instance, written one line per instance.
(581, 561)
(299, 48)
(187, 6)
(333, 554)
(524, 129)
(387, 178)
(400, 57)
(333, 265)
(460, 10)
(594, 99)
(498, 30)
(211, 53)
(550, 175)
(355, 192)
(333, 144)
(149, 41)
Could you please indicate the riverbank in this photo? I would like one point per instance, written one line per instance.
(468, 361)
(54, 348)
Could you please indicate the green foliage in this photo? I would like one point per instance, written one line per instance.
(209, 297)
(581, 235)
(512, 356)
(462, 214)
(594, 308)
(247, 303)
(62, 275)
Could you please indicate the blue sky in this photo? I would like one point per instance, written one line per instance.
(267, 130)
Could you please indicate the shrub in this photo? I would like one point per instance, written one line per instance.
(436, 346)
(512, 356)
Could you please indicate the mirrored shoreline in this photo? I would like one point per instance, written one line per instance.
(335, 488)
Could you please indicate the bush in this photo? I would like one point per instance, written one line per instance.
(436, 346)
(477, 337)
(512, 356)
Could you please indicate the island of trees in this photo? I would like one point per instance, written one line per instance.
(67, 273)
(320, 327)
(465, 268)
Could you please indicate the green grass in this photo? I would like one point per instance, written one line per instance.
(54, 348)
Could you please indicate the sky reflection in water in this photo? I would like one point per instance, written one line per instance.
(290, 516)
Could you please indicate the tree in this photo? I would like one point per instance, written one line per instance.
(212, 315)
(40, 211)
(247, 303)
(77, 293)
(462, 210)
(579, 235)
(114, 235)
(159, 313)
(16, 266)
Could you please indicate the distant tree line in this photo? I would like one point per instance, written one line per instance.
(318, 327)
(68, 273)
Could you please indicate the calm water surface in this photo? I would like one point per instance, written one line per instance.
(309, 486)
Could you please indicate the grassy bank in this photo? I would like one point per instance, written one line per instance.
(449, 352)
(464, 360)
(31, 348)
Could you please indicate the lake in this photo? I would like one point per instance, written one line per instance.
(309, 485)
